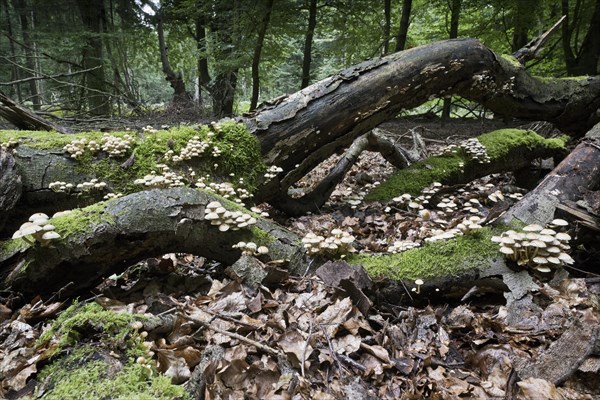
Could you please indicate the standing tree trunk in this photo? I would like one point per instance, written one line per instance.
(21, 7)
(175, 79)
(387, 13)
(523, 13)
(454, 20)
(93, 57)
(308, 42)
(257, 51)
(585, 60)
(404, 25)
(14, 71)
(203, 73)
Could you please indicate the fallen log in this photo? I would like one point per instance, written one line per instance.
(23, 118)
(571, 180)
(105, 238)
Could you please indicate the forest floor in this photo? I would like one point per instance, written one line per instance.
(312, 337)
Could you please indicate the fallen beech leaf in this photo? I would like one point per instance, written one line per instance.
(534, 389)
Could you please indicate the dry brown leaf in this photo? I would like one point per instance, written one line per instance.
(534, 389)
(346, 344)
(335, 315)
(295, 346)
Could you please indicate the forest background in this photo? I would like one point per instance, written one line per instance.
(73, 58)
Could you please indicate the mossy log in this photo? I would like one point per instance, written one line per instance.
(107, 237)
(508, 150)
(573, 179)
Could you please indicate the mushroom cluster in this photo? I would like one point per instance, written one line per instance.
(65, 187)
(338, 243)
(116, 146)
(470, 225)
(537, 247)
(110, 196)
(167, 179)
(9, 145)
(475, 150)
(38, 228)
(76, 148)
(226, 190)
(194, 148)
(226, 220)
(472, 148)
(272, 172)
(402, 245)
(250, 248)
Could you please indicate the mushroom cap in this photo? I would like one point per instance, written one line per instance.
(223, 227)
(559, 222)
(213, 204)
(50, 235)
(540, 260)
(48, 227)
(543, 269)
(38, 215)
(547, 231)
(563, 237)
(418, 282)
(567, 259)
(211, 216)
(27, 228)
(506, 250)
(262, 250)
(533, 228)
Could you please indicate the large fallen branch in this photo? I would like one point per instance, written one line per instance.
(23, 118)
(107, 237)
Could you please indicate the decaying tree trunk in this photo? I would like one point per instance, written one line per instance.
(301, 130)
(106, 239)
(572, 179)
(23, 118)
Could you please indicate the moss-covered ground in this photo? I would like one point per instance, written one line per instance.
(447, 168)
(93, 356)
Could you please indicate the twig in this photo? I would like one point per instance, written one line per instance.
(332, 351)
(304, 349)
(263, 347)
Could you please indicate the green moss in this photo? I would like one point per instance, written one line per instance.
(87, 320)
(261, 237)
(87, 373)
(80, 220)
(11, 247)
(240, 154)
(434, 259)
(512, 60)
(498, 144)
(416, 177)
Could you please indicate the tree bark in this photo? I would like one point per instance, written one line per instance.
(455, 8)
(129, 229)
(21, 7)
(387, 15)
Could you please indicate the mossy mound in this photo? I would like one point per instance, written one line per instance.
(101, 350)
(501, 146)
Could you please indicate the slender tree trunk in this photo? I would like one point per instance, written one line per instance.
(585, 60)
(21, 7)
(524, 11)
(454, 20)
(387, 12)
(175, 79)
(308, 41)
(257, 51)
(203, 73)
(14, 71)
(404, 24)
(93, 57)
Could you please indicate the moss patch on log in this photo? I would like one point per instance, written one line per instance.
(81, 219)
(101, 361)
(499, 145)
(239, 154)
(433, 259)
